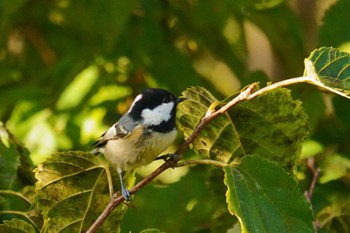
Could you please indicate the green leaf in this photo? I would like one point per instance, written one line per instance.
(72, 191)
(330, 67)
(16, 226)
(331, 202)
(15, 164)
(265, 198)
(78, 88)
(335, 31)
(272, 125)
(9, 160)
(15, 205)
(218, 140)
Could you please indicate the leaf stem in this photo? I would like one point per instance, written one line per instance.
(202, 162)
(282, 83)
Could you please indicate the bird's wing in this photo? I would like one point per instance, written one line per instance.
(121, 129)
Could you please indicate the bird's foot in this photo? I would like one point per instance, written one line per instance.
(169, 157)
(126, 194)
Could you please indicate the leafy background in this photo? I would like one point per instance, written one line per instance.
(70, 68)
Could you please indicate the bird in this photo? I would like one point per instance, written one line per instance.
(141, 134)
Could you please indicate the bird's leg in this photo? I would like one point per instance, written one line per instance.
(125, 192)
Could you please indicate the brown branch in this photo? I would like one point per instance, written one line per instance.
(310, 163)
(315, 175)
(170, 163)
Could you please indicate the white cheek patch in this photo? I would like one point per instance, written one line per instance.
(158, 114)
(138, 97)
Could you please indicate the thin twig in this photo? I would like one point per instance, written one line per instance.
(315, 175)
(310, 163)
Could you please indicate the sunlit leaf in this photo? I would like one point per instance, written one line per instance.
(331, 68)
(151, 231)
(262, 4)
(72, 191)
(265, 198)
(219, 140)
(272, 125)
(334, 167)
(75, 92)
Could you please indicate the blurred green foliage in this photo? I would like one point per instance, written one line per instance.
(68, 69)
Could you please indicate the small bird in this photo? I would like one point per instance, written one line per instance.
(141, 134)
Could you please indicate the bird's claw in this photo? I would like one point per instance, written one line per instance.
(169, 157)
(126, 194)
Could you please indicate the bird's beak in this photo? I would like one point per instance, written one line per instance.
(179, 100)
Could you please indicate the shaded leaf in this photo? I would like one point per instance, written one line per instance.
(72, 191)
(206, 32)
(265, 198)
(15, 164)
(14, 205)
(9, 160)
(335, 30)
(97, 21)
(17, 226)
(331, 202)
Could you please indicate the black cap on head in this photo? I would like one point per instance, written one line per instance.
(150, 98)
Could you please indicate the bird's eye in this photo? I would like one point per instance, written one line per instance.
(166, 99)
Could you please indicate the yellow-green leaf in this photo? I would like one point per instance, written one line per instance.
(272, 125)
(72, 191)
(329, 68)
(17, 226)
(218, 140)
